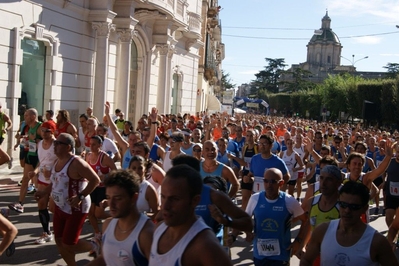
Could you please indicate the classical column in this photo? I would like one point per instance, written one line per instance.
(101, 66)
(163, 96)
(122, 89)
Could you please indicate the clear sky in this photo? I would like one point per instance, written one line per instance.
(283, 28)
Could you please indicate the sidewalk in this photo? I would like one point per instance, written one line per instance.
(15, 173)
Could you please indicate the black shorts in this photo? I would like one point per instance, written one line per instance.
(32, 159)
(247, 186)
(378, 181)
(312, 180)
(291, 182)
(22, 154)
(97, 195)
(1, 139)
(391, 202)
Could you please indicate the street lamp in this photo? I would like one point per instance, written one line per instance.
(353, 62)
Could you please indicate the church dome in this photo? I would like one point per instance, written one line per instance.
(325, 33)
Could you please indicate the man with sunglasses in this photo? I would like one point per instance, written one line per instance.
(324, 207)
(272, 210)
(71, 182)
(348, 240)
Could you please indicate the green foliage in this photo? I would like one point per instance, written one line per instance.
(299, 80)
(392, 69)
(389, 109)
(268, 78)
(343, 93)
(226, 81)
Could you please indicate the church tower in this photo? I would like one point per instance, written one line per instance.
(324, 48)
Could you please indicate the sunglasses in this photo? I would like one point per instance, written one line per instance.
(270, 181)
(197, 150)
(352, 207)
(57, 142)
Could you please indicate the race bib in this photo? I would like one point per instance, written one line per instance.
(258, 184)
(58, 198)
(268, 247)
(394, 188)
(32, 146)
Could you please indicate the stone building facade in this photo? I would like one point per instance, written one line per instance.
(136, 54)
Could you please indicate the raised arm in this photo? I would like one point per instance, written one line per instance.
(373, 174)
(154, 126)
(121, 142)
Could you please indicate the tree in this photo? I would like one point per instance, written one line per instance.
(298, 80)
(226, 81)
(392, 69)
(269, 77)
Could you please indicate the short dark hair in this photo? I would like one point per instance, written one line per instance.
(338, 137)
(325, 148)
(267, 137)
(137, 158)
(328, 160)
(354, 155)
(360, 143)
(50, 112)
(218, 183)
(84, 116)
(184, 159)
(357, 189)
(144, 145)
(98, 138)
(125, 179)
(192, 177)
(105, 128)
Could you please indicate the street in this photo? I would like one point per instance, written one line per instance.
(28, 253)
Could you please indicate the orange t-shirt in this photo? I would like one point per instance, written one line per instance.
(217, 133)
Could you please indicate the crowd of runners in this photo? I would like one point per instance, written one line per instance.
(178, 189)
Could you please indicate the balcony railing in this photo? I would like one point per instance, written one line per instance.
(194, 25)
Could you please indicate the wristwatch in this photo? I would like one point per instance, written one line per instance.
(228, 219)
(81, 196)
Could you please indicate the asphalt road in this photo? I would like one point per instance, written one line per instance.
(28, 253)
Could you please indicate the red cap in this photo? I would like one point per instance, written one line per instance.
(49, 125)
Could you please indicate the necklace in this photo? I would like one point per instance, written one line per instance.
(209, 167)
(128, 230)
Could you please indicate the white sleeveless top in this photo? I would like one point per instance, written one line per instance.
(301, 153)
(332, 253)
(174, 255)
(142, 203)
(46, 158)
(125, 252)
(65, 187)
(290, 162)
(167, 162)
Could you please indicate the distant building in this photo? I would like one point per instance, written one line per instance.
(244, 90)
(324, 57)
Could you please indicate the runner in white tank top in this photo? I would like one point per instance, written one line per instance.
(182, 237)
(124, 252)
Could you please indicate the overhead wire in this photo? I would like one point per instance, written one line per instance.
(300, 38)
